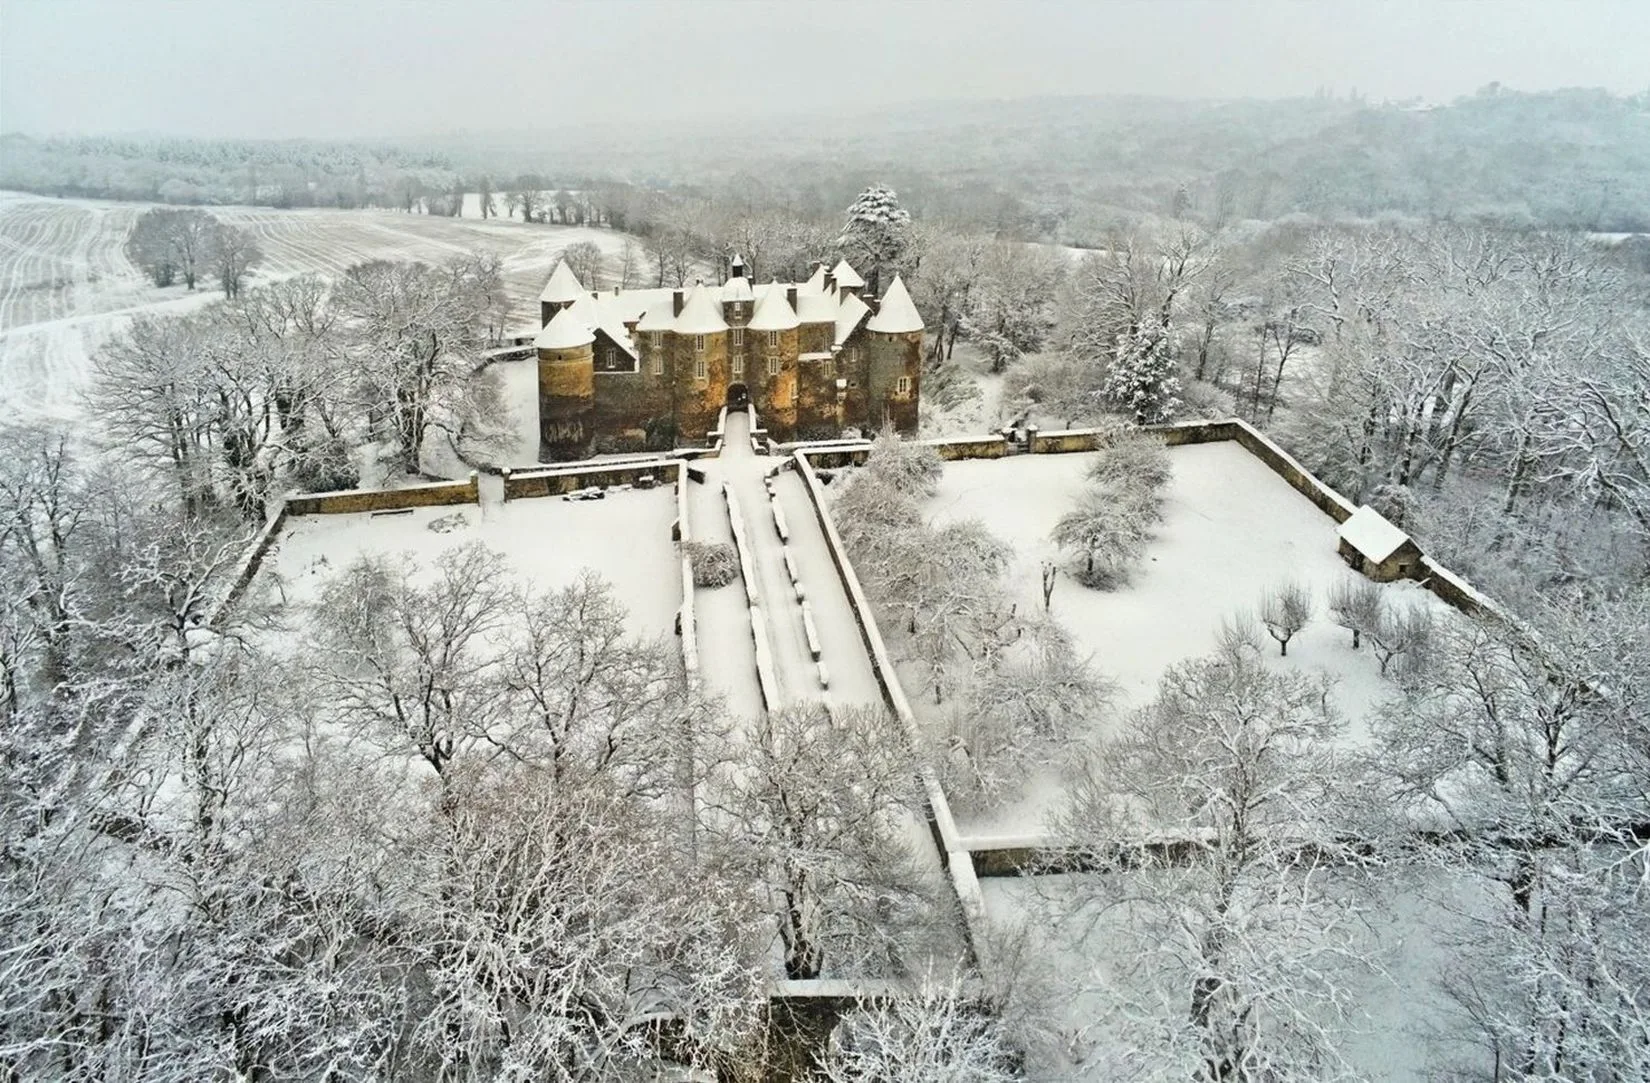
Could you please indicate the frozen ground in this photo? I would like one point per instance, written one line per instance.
(549, 542)
(1088, 962)
(66, 286)
(1232, 529)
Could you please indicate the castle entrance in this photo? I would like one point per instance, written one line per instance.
(739, 396)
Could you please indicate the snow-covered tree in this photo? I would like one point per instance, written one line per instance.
(876, 235)
(1223, 799)
(935, 1034)
(811, 810)
(1143, 379)
(1284, 611)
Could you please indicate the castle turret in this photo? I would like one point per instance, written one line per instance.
(895, 342)
(567, 391)
(560, 292)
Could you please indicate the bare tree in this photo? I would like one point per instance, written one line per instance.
(585, 260)
(1285, 610)
(936, 1034)
(410, 660)
(1222, 798)
(811, 811)
(233, 253)
(1356, 604)
(1403, 635)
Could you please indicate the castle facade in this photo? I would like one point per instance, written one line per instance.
(651, 368)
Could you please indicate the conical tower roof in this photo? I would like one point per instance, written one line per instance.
(898, 313)
(845, 276)
(774, 311)
(701, 313)
(563, 286)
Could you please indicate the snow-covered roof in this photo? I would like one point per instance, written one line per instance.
(853, 310)
(1371, 534)
(816, 281)
(737, 289)
(773, 311)
(660, 316)
(566, 331)
(701, 313)
(846, 275)
(817, 307)
(563, 286)
(898, 313)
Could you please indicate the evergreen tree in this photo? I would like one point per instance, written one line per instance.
(877, 233)
(1142, 378)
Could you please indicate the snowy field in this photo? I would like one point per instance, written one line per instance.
(1231, 530)
(1088, 964)
(548, 542)
(66, 286)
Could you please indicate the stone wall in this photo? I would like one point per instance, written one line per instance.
(523, 484)
(412, 496)
(942, 827)
(247, 570)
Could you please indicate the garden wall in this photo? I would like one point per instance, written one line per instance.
(942, 827)
(247, 570)
(412, 496)
(525, 484)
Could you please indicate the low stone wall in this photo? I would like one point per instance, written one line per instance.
(937, 810)
(525, 484)
(1331, 503)
(970, 447)
(413, 496)
(247, 569)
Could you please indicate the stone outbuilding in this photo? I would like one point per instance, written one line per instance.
(1370, 544)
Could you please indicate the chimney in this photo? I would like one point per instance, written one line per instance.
(675, 302)
(790, 295)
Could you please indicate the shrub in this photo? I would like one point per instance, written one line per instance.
(715, 564)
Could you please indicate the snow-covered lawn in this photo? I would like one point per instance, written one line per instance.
(548, 542)
(66, 286)
(1231, 530)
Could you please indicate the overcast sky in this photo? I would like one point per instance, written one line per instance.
(346, 68)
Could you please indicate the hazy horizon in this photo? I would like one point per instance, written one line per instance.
(411, 70)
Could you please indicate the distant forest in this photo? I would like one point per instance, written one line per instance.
(1065, 170)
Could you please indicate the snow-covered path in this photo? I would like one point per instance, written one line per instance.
(795, 673)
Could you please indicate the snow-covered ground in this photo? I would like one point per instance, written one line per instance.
(66, 286)
(1231, 530)
(549, 542)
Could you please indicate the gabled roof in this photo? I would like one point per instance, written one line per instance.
(566, 331)
(737, 289)
(846, 275)
(817, 306)
(848, 317)
(898, 313)
(563, 286)
(701, 313)
(816, 281)
(1372, 535)
(773, 311)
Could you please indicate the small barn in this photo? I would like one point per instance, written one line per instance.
(1373, 546)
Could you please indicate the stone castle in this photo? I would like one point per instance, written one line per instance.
(649, 368)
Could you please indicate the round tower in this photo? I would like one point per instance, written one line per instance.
(894, 336)
(567, 386)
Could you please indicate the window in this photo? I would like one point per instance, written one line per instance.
(658, 358)
(699, 371)
(853, 354)
(739, 364)
(903, 385)
(773, 340)
(738, 334)
(699, 345)
(773, 365)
